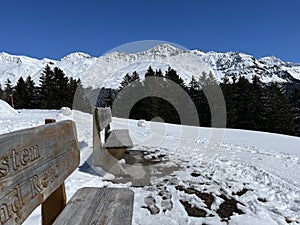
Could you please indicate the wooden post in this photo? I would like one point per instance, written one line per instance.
(56, 202)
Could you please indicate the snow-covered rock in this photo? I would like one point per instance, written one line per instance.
(66, 111)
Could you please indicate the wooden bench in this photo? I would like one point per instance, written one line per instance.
(35, 162)
(110, 146)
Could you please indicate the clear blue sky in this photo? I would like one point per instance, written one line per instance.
(53, 29)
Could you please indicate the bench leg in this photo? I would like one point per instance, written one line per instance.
(53, 205)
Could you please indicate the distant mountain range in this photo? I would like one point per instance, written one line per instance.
(109, 69)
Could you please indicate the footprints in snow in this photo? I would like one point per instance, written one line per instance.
(166, 202)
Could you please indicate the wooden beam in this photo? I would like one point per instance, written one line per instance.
(56, 202)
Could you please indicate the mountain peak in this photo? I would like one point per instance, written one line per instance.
(109, 69)
(272, 60)
(7, 58)
(164, 48)
(77, 55)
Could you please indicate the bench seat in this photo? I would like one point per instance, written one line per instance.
(118, 139)
(108, 152)
(97, 206)
(118, 142)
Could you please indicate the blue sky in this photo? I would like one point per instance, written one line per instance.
(53, 29)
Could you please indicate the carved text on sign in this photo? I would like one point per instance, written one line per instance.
(17, 159)
(39, 183)
(12, 206)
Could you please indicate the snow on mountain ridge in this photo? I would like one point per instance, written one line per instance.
(109, 69)
(77, 55)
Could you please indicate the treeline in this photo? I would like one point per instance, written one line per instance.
(54, 91)
(249, 105)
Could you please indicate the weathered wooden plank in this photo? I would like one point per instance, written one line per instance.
(119, 139)
(54, 205)
(56, 202)
(103, 117)
(33, 163)
(97, 206)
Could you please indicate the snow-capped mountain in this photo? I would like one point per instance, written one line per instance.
(109, 69)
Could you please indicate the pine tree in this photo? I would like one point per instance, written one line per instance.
(256, 113)
(129, 80)
(172, 75)
(8, 93)
(193, 85)
(47, 85)
(159, 73)
(150, 72)
(56, 89)
(279, 116)
(31, 97)
(71, 90)
(294, 100)
(20, 94)
(229, 93)
(61, 89)
(242, 100)
(135, 76)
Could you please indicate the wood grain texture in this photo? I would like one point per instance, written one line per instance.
(34, 162)
(56, 202)
(54, 205)
(103, 117)
(98, 206)
(101, 157)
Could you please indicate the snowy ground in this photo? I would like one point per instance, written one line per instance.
(254, 178)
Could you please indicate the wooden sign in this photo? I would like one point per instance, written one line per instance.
(33, 163)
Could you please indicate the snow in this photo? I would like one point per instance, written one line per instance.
(109, 69)
(6, 109)
(266, 165)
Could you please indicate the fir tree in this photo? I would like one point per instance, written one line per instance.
(278, 111)
(159, 73)
(8, 93)
(129, 79)
(31, 93)
(47, 85)
(247, 100)
(61, 89)
(256, 113)
(172, 75)
(56, 89)
(135, 76)
(229, 93)
(150, 72)
(125, 82)
(20, 94)
(294, 100)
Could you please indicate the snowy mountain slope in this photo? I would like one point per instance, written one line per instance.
(260, 183)
(109, 69)
(13, 67)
